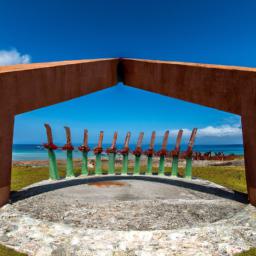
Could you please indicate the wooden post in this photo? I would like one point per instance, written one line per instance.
(112, 155)
(125, 153)
(163, 153)
(69, 148)
(137, 152)
(175, 154)
(97, 151)
(188, 155)
(53, 169)
(85, 149)
(150, 153)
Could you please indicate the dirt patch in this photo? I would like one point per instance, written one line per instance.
(108, 184)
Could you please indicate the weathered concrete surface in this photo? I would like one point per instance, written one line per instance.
(128, 217)
(31, 86)
(128, 205)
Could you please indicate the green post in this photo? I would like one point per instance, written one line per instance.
(84, 150)
(97, 151)
(150, 153)
(53, 169)
(70, 170)
(111, 163)
(125, 164)
(137, 153)
(98, 170)
(175, 162)
(162, 153)
(188, 169)
(137, 165)
(149, 166)
(85, 163)
(112, 155)
(161, 165)
(189, 152)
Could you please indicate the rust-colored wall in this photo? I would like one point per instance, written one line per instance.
(33, 86)
(214, 86)
(30, 86)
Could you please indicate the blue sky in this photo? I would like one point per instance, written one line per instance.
(204, 31)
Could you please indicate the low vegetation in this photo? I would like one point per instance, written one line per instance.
(229, 176)
(232, 177)
(5, 251)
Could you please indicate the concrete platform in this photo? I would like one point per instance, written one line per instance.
(128, 215)
(128, 202)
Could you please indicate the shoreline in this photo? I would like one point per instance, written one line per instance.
(238, 161)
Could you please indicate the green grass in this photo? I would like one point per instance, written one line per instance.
(251, 252)
(229, 176)
(232, 177)
(23, 176)
(5, 251)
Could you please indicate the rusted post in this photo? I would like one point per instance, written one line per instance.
(137, 153)
(53, 169)
(69, 148)
(150, 152)
(163, 153)
(249, 139)
(97, 151)
(175, 154)
(188, 154)
(125, 153)
(6, 140)
(112, 155)
(85, 149)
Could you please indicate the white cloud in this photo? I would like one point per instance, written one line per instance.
(221, 131)
(209, 131)
(217, 131)
(13, 57)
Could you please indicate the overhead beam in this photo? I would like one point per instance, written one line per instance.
(215, 86)
(31, 86)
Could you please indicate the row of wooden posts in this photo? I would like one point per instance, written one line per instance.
(112, 151)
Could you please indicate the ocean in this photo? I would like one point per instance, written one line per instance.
(23, 152)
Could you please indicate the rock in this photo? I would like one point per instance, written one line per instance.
(4, 238)
(59, 251)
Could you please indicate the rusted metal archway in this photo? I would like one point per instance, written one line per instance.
(27, 87)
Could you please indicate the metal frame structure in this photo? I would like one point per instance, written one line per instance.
(26, 87)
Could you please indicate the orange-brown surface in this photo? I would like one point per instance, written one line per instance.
(107, 184)
(30, 86)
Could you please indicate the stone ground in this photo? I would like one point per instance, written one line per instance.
(127, 215)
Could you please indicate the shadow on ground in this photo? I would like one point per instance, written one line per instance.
(219, 192)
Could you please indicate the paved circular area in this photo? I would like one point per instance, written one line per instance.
(126, 216)
(128, 205)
